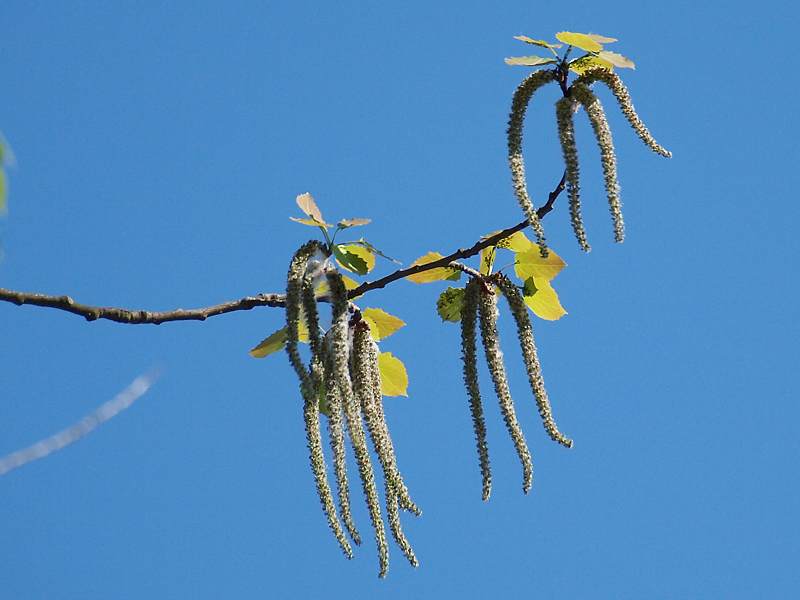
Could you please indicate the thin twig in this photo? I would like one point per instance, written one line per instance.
(139, 317)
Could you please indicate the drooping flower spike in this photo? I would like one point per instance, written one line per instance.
(294, 292)
(469, 355)
(362, 369)
(395, 476)
(602, 133)
(333, 399)
(487, 313)
(530, 356)
(566, 135)
(614, 83)
(516, 121)
(340, 359)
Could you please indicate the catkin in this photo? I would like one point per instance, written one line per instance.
(487, 311)
(469, 355)
(525, 333)
(294, 293)
(403, 497)
(602, 133)
(333, 399)
(362, 369)
(340, 359)
(566, 135)
(516, 121)
(619, 90)
(393, 515)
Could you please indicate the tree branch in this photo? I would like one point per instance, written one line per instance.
(137, 317)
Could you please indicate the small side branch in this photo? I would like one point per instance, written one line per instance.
(139, 317)
(136, 317)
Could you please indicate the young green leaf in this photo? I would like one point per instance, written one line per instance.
(270, 344)
(310, 222)
(374, 250)
(530, 263)
(529, 61)
(588, 62)
(579, 40)
(323, 289)
(381, 323)
(345, 223)
(601, 39)
(449, 304)
(394, 378)
(276, 341)
(354, 257)
(438, 274)
(617, 59)
(540, 43)
(309, 207)
(516, 242)
(542, 299)
(487, 259)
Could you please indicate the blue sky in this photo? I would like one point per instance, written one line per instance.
(159, 152)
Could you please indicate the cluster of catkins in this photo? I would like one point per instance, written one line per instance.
(343, 382)
(480, 305)
(578, 94)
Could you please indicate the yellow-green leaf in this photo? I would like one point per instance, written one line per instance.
(617, 60)
(310, 222)
(345, 223)
(529, 61)
(374, 250)
(487, 259)
(579, 40)
(601, 39)
(530, 263)
(309, 207)
(323, 289)
(270, 344)
(394, 378)
(516, 242)
(542, 299)
(3, 191)
(449, 304)
(349, 284)
(355, 258)
(586, 63)
(540, 43)
(438, 274)
(381, 323)
(277, 341)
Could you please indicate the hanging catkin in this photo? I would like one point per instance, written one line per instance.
(516, 121)
(469, 355)
(602, 133)
(619, 90)
(294, 292)
(340, 359)
(487, 312)
(525, 334)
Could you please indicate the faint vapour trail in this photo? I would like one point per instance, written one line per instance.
(74, 432)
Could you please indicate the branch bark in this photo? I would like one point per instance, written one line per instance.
(138, 317)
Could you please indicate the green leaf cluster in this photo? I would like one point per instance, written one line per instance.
(591, 43)
(358, 256)
(533, 271)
